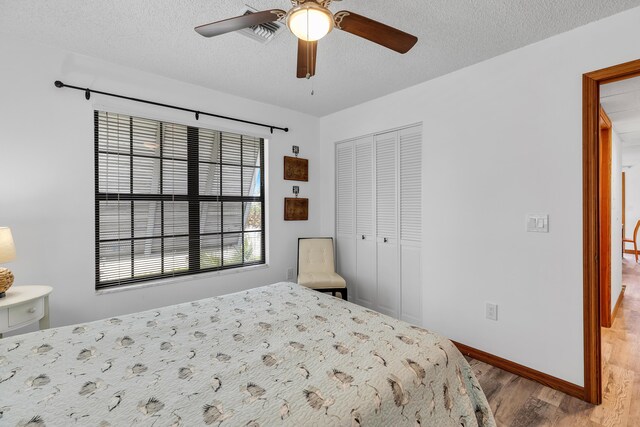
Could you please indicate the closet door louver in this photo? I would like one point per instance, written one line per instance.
(411, 184)
(364, 188)
(365, 286)
(387, 257)
(344, 189)
(345, 214)
(410, 175)
(386, 195)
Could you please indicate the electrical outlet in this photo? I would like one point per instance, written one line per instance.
(290, 274)
(492, 311)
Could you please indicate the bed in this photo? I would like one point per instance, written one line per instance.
(276, 355)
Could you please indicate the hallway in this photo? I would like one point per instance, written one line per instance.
(518, 402)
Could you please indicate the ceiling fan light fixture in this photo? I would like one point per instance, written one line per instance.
(310, 21)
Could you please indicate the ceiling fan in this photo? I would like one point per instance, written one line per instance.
(309, 21)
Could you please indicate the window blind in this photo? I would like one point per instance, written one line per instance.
(174, 200)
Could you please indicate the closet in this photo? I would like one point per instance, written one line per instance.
(378, 221)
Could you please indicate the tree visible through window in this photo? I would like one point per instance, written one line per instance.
(174, 200)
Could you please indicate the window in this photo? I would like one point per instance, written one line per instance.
(174, 200)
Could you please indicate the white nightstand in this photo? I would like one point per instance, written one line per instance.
(24, 305)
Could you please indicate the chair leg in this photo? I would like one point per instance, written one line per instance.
(635, 250)
(344, 294)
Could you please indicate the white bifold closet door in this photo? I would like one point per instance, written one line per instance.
(379, 221)
(366, 281)
(386, 184)
(345, 218)
(410, 175)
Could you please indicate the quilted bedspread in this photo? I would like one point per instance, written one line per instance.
(271, 356)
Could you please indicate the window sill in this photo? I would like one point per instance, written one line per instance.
(180, 279)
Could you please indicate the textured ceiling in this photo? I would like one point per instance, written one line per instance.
(157, 36)
(621, 101)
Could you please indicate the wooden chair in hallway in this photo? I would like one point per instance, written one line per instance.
(635, 238)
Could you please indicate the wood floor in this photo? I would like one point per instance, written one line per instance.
(517, 402)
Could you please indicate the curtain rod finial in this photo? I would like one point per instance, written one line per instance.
(58, 83)
(286, 129)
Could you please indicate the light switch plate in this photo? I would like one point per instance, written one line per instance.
(537, 223)
(492, 311)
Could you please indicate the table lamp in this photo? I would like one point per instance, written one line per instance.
(7, 253)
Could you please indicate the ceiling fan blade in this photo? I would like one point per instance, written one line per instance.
(375, 31)
(239, 22)
(307, 52)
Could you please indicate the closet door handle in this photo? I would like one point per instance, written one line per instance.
(385, 240)
(363, 237)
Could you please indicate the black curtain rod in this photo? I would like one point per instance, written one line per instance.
(87, 95)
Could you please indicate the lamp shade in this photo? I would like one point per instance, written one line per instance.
(310, 21)
(7, 248)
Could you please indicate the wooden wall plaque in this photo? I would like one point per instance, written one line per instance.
(296, 169)
(296, 209)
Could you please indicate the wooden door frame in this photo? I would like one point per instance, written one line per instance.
(605, 154)
(590, 212)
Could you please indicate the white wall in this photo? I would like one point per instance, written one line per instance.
(502, 138)
(616, 218)
(632, 186)
(631, 161)
(47, 175)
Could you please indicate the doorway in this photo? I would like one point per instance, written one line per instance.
(593, 261)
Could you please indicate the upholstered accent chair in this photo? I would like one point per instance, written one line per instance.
(317, 268)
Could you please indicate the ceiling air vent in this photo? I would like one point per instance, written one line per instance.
(262, 33)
